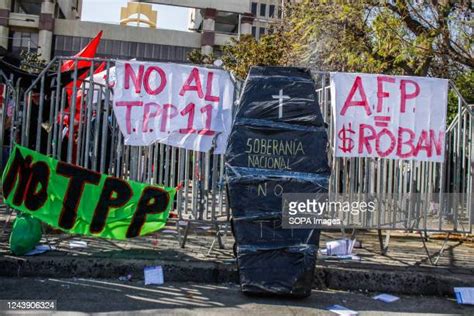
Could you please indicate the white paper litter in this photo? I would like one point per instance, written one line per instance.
(40, 249)
(342, 247)
(77, 244)
(341, 310)
(387, 298)
(169, 231)
(464, 295)
(154, 275)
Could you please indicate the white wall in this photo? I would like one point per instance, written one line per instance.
(237, 6)
(128, 33)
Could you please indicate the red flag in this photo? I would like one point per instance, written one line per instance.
(79, 94)
(2, 96)
(83, 76)
(87, 52)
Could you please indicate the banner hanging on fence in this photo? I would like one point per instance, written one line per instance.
(395, 117)
(179, 105)
(82, 201)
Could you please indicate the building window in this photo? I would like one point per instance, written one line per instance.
(254, 8)
(271, 11)
(254, 31)
(27, 7)
(261, 32)
(263, 9)
(24, 41)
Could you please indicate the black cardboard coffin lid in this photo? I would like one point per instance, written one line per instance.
(302, 150)
(280, 94)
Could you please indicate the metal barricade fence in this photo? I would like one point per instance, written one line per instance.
(40, 120)
(8, 98)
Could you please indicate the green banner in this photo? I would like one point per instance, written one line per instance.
(82, 201)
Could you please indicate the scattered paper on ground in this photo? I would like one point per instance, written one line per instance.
(387, 298)
(77, 244)
(341, 310)
(464, 295)
(154, 275)
(40, 249)
(342, 247)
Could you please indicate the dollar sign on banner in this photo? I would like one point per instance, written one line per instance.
(346, 138)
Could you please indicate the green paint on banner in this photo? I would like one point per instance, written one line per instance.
(81, 201)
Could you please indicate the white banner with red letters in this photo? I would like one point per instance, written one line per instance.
(396, 117)
(180, 105)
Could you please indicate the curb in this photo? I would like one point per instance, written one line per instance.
(367, 279)
(404, 281)
(113, 268)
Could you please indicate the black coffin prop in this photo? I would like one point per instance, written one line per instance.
(278, 144)
(285, 270)
(280, 148)
(257, 193)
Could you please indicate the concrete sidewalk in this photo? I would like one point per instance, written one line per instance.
(404, 270)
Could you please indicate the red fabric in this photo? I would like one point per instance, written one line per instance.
(79, 81)
(87, 52)
(2, 92)
(79, 95)
(81, 78)
(180, 186)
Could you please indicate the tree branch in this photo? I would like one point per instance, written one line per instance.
(402, 11)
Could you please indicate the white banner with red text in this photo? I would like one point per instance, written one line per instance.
(180, 105)
(396, 117)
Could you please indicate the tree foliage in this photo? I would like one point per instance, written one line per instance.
(32, 62)
(400, 37)
(403, 37)
(273, 49)
(238, 56)
(465, 85)
(197, 57)
(432, 37)
(395, 37)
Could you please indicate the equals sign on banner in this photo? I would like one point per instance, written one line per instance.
(381, 121)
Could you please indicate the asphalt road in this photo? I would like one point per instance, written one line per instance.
(114, 297)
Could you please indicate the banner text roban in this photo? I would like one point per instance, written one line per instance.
(397, 117)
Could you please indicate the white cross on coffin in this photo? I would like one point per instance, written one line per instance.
(280, 98)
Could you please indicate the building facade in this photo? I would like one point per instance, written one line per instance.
(265, 12)
(53, 27)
